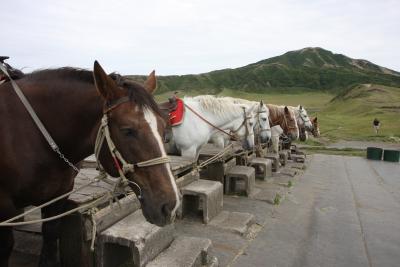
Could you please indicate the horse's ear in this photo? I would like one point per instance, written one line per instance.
(261, 103)
(301, 107)
(286, 110)
(151, 83)
(104, 83)
(315, 119)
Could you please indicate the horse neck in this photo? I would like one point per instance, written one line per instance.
(72, 117)
(276, 114)
(225, 121)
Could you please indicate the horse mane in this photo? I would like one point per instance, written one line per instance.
(275, 111)
(136, 92)
(219, 106)
(239, 100)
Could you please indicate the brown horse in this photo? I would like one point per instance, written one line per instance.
(315, 130)
(68, 104)
(284, 117)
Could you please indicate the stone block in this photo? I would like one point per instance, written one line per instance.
(275, 161)
(202, 196)
(236, 222)
(238, 174)
(283, 157)
(298, 158)
(186, 252)
(132, 240)
(263, 168)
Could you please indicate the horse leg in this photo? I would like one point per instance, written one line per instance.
(7, 210)
(49, 256)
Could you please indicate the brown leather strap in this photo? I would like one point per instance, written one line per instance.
(110, 106)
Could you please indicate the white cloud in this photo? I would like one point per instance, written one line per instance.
(178, 37)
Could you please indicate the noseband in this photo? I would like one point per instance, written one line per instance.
(120, 163)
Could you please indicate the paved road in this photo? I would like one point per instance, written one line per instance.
(345, 211)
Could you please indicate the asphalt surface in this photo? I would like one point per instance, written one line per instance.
(344, 211)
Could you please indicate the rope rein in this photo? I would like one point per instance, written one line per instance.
(233, 137)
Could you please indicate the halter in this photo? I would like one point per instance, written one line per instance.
(120, 163)
(244, 124)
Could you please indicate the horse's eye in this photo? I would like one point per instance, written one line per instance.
(250, 123)
(128, 132)
(264, 119)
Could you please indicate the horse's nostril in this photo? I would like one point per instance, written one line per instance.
(166, 210)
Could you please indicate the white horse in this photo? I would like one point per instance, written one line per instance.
(303, 121)
(206, 115)
(262, 127)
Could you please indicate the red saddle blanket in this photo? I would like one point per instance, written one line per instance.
(176, 115)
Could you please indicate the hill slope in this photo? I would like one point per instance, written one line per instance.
(314, 69)
(350, 114)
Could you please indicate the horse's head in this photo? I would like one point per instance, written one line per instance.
(315, 130)
(289, 125)
(262, 122)
(136, 127)
(304, 118)
(245, 131)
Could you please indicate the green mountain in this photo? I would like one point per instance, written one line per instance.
(313, 69)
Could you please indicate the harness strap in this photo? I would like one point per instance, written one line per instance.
(30, 110)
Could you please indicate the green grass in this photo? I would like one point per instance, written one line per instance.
(350, 116)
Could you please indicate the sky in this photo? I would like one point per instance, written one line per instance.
(192, 36)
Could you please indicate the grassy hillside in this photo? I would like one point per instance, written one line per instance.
(305, 70)
(350, 114)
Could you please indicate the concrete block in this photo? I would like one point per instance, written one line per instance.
(186, 252)
(216, 171)
(202, 196)
(132, 240)
(245, 158)
(263, 168)
(283, 157)
(237, 174)
(298, 158)
(293, 149)
(235, 222)
(289, 171)
(275, 161)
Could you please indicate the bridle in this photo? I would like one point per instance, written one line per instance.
(123, 167)
(244, 124)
